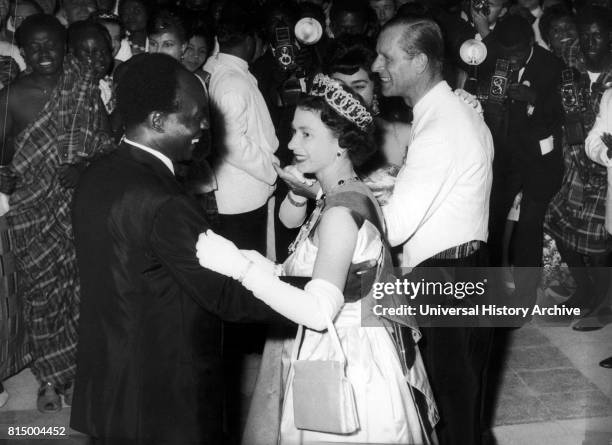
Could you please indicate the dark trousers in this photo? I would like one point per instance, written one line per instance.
(248, 231)
(539, 181)
(591, 274)
(456, 360)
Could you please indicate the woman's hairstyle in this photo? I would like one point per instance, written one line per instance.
(552, 15)
(202, 26)
(359, 142)
(347, 54)
(166, 20)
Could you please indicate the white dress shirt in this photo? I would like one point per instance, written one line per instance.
(597, 150)
(245, 176)
(162, 157)
(441, 195)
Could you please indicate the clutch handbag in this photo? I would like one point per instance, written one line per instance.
(323, 398)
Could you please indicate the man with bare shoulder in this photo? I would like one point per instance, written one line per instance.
(51, 125)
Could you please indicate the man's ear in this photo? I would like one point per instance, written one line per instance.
(421, 61)
(156, 121)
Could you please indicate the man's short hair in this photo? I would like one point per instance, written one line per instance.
(420, 35)
(594, 14)
(513, 31)
(149, 83)
(360, 8)
(234, 26)
(36, 22)
(82, 28)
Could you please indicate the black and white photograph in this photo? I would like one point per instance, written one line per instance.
(291, 222)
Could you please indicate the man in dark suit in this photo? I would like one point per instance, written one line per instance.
(526, 125)
(149, 352)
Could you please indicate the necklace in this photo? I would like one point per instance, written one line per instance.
(316, 214)
(339, 184)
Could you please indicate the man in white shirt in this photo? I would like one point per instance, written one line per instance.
(439, 208)
(441, 195)
(244, 137)
(244, 143)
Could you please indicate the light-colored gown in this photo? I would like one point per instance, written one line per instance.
(385, 403)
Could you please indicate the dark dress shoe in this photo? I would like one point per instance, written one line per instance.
(607, 363)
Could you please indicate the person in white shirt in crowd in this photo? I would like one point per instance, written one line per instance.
(598, 147)
(439, 209)
(243, 145)
(134, 15)
(244, 136)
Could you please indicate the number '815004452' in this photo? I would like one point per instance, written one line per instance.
(36, 431)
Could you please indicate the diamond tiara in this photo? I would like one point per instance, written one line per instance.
(341, 100)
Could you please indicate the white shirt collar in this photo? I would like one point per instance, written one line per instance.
(165, 159)
(430, 97)
(236, 62)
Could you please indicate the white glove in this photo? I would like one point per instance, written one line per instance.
(469, 99)
(221, 255)
(310, 307)
(262, 263)
(4, 204)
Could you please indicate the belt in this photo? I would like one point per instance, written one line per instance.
(460, 251)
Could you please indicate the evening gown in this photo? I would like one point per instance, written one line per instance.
(384, 396)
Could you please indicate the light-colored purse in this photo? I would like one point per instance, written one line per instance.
(323, 398)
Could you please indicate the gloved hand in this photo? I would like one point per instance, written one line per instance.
(262, 263)
(221, 255)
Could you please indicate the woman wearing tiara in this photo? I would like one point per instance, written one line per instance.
(332, 136)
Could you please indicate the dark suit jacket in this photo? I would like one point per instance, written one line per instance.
(150, 334)
(525, 129)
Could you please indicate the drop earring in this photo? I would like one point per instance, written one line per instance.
(338, 154)
(375, 106)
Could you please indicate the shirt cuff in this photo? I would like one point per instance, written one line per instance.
(546, 145)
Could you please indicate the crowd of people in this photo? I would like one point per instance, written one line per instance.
(185, 182)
